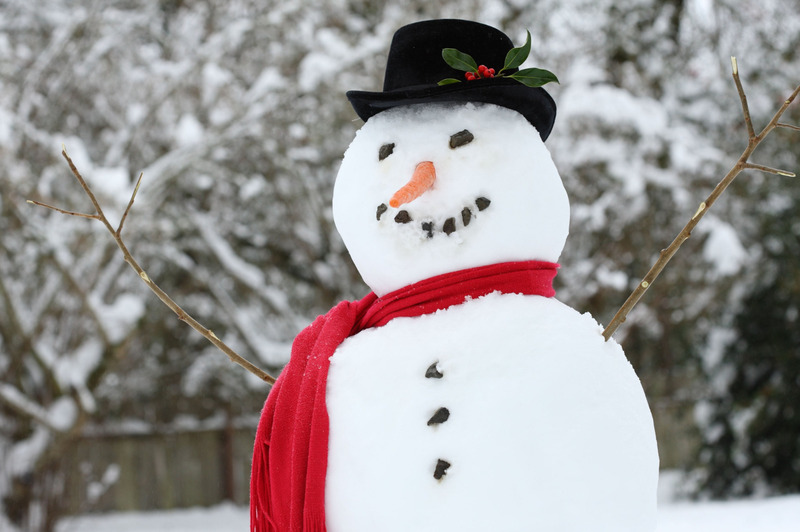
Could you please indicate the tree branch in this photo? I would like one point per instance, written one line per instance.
(666, 254)
(17, 401)
(182, 314)
(788, 126)
(751, 134)
(130, 204)
(62, 211)
(768, 170)
(26, 337)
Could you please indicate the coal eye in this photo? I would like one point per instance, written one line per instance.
(461, 138)
(385, 151)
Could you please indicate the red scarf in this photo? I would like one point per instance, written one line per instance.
(290, 458)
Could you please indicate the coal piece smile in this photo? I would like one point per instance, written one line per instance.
(402, 217)
(449, 226)
(466, 216)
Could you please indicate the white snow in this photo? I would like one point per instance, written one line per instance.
(96, 489)
(549, 428)
(722, 248)
(119, 317)
(214, 78)
(189, 131)
(24, 454)
(222, 518)
(269, 80)
(20, 401)
(507, 163)
(59, 416)
(612, 105)
(240, 269)
(63, 413)
(778, 514)
(113, 183)
(6, 121)
(74, 368)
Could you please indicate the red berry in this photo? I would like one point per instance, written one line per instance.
(469, 75)
(482, 69)
(491, 71)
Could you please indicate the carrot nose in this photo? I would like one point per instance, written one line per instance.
(422, 180)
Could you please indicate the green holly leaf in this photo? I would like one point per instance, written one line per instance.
(516, 56)
(449, 81)
(534, 77)
(459, 60)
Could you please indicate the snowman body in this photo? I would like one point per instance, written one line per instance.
(548, 427)
(506, 412)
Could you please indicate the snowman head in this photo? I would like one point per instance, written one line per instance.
(447, 177)
(426, 189)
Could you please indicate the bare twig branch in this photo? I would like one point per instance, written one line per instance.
(62, 211)
(130, 204)
(182, 314)
(774, 122)
(768, 169)
(741, 164)
(751, 134)
(788, 126)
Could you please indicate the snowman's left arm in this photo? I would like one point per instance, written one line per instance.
(742, 164)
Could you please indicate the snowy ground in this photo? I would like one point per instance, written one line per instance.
(779, 514)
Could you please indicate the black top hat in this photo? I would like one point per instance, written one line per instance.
(415, 66)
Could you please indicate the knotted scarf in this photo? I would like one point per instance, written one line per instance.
(290, 457)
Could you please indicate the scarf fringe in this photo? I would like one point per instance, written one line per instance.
(313, 522)
(260, 520)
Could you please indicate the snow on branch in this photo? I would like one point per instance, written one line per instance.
(742, 164)
(117, 235)
(19, 402)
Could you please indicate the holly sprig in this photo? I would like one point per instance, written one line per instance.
(531, 77)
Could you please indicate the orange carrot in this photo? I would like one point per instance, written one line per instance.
(422, 180)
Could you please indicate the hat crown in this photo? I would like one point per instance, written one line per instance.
(415, 56)
(415, 67)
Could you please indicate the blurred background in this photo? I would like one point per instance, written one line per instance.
(235, 112)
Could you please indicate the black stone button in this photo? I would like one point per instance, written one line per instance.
(439, 417)
(482, 203)
(441, 469)
(433, 372)
(381, 209)
(428, 228)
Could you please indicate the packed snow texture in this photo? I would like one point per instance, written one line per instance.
(549, 428)
(777, 514)
(506, 163)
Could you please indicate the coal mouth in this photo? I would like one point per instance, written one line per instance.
(429, 227)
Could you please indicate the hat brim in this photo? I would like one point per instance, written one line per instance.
(534, 103)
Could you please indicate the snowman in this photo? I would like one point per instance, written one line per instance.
(460, 395)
